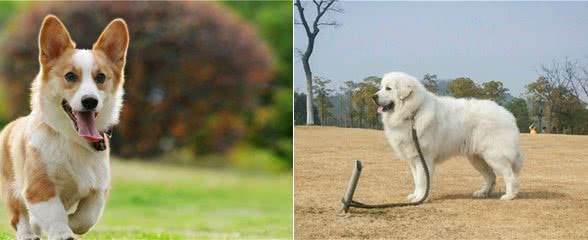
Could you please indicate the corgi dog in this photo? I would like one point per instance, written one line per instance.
(55, 171)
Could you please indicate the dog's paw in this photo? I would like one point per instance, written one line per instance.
(410, 197)
(27, 236)
(64, 237)
(481, 194)
(65, 234)
(417, 196)
(507, 197)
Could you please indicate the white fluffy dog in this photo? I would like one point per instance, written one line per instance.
(481, 130)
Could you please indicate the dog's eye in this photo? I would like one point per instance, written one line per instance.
(388, 89)
(100, 78)
(71, 77)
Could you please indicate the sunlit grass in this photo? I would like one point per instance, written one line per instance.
(152, 201)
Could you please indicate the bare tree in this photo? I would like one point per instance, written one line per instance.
(312, 30)
(583, 78)
(548, 82)
(570, 75)
(430, 82)
(566, 74)
(557, 89)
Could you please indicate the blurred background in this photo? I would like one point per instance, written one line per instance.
(204, 147)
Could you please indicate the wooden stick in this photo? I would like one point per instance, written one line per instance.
(352, 185)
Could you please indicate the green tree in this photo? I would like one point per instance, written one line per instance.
(322, 96)
(495, 91)
(559, 103)
(274, 23)
(539, 96)
(536, 110)
(518, 107)
(464, 88)
(9, 8)
(347, 91)
(300, 109)
(365, 108)
(567, 111)
(574, 115)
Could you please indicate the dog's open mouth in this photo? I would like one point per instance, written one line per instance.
(389, 107)
(84, 122)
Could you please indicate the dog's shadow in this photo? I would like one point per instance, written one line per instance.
(496, 195)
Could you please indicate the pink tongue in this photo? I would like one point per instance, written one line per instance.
(86, 126)
(380, 109)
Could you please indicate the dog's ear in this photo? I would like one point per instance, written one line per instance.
(54, 40)
(405, 88)
(113, 42)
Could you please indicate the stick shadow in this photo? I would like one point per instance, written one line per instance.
(357, 212)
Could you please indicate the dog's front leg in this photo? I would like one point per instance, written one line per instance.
(45, 208)
(51, 217)
(412, 166)
(88, 212)
(421, 179)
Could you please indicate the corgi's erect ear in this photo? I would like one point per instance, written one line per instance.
(53, 39)
(114, 42)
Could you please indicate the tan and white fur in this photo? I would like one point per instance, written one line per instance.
(53, 180)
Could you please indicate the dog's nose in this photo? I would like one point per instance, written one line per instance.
(375, 97)
(89, 102)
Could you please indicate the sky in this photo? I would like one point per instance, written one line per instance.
(505, 41)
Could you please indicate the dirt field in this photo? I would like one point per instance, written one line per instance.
(552, 204)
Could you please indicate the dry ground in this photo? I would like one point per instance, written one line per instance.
(553, 203)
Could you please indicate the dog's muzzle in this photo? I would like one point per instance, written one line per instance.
(384, 108)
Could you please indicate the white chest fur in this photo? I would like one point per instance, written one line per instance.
(76, 170)
(400, 138)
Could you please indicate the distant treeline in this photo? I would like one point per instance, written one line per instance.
(551, 103)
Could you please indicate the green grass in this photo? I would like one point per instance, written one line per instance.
(153, 201)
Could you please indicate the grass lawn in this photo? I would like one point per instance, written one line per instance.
(153, 201)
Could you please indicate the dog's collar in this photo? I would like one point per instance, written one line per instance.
(101, 145)
(412, 116)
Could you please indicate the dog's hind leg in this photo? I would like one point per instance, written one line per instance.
(488, 174)
(502, 165)
(511, 179)
(19, 217)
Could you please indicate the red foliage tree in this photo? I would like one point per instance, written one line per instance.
(193, 76)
